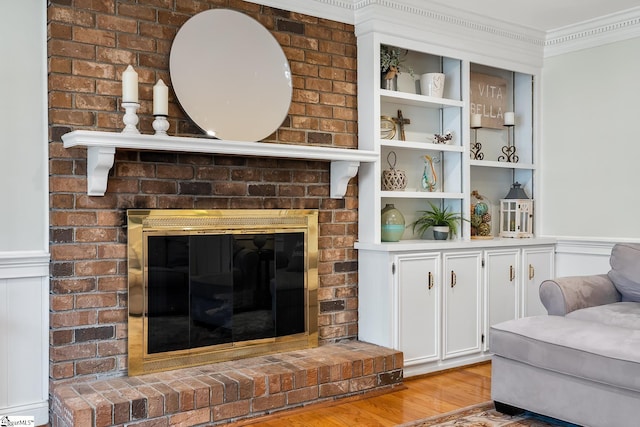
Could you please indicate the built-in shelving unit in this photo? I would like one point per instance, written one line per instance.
(458, 171)
(489, 176)
(427, 115)
(436, 300)
(101, 148)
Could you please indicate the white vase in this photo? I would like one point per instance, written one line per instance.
(432, 84)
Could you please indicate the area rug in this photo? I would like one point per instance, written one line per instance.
(485, 415)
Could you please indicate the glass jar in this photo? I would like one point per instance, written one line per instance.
(481, 216)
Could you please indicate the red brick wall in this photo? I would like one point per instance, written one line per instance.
(90, 44)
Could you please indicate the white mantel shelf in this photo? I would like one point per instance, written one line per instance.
(101, 149)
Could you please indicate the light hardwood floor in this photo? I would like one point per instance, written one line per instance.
(419, 398)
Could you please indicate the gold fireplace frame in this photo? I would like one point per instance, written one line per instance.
(215, 222)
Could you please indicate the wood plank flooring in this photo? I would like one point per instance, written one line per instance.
(419, 398)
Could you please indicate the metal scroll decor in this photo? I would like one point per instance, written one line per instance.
(509, 150)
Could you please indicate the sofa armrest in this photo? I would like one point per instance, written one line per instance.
(566, 294)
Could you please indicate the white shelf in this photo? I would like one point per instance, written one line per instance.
(101, 148)
(503, 165)
(420, 195)
(421, 146)
(437, 245)
(406, 98)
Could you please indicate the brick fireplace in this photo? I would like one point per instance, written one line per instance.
(210, 286)
(90, 44)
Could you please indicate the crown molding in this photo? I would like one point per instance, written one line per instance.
(469, 32)
(593, 33)
(458, 18)
(422, 20)
(458, 33)
(347, 11)
(335, 10)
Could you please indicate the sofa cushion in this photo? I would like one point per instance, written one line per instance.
(602, 353)
(622, 314)
(625, 270)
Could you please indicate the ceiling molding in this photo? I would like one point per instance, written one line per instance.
(597, 32)
(416, 17)
(335, 10)
(452, 32)
(455, 17)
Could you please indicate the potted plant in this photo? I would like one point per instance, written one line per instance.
(442, 221)
(391, 59)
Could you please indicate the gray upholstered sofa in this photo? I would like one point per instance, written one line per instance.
(582, 362)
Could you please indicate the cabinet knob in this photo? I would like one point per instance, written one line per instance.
(430, 281)
(453, 278)
(511, 273)
(532, 272)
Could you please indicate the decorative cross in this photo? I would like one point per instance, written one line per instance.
(401, 121)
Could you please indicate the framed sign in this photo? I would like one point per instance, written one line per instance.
(489, 99)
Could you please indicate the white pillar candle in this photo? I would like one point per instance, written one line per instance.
(129, 85)
(476, 120)
(509, 118)
(160, 99)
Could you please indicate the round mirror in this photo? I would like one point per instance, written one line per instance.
(230, 75)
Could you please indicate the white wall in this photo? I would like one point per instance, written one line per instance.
(591, 143)
(24, 251)
(23, 120)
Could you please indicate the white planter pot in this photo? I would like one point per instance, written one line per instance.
(432, 84)
(441, 232)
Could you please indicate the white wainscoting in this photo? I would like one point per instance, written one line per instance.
(24, 335)
(580, 256)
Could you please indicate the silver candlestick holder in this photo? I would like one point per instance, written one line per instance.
(130, 118)
(161, 124)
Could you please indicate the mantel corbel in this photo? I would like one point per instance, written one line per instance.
(101, 149)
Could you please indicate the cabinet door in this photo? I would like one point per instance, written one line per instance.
(461, 279)
(419, 308)
(501, 287)
(537, 266)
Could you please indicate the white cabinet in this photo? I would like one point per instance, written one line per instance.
(425, 303)
(437, 305)
(444, 326)
(418, 286)
(537, 266)
(462, 303)
(501, 287)
(512, 278)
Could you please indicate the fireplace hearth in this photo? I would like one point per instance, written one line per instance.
(209, 286)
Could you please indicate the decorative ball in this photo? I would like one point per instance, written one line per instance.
(481, 208)
(484, 229)
(476, 220)
(486, 217)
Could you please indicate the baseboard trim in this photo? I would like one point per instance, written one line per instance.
(38, 410)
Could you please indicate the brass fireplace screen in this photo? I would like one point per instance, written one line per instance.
(213, 285)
